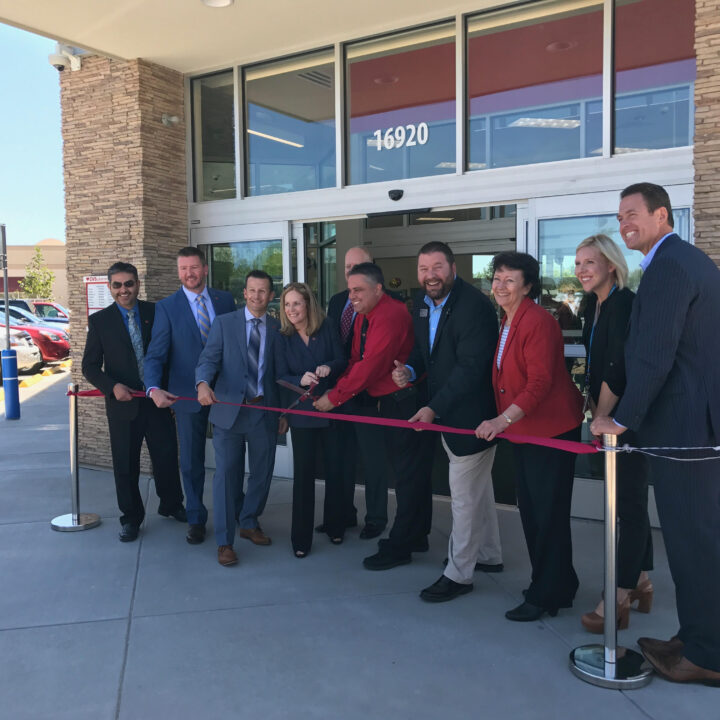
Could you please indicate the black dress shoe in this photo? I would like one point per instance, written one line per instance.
(129, 532)
(178, 513)
(371, 531)
(444, 589)
(195, 534)
(527, 612)
(484, 567)
(386, 559)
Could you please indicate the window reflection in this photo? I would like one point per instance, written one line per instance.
(545, 102)
(655, 74)
(214, 136)
(290, 124)
(401, 105)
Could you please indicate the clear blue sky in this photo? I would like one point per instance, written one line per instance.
(31, 179)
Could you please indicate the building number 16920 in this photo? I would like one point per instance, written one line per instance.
(396, 137)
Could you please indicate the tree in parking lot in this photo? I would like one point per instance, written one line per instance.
(38, 280)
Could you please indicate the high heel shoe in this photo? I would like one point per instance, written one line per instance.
(595, 623)
(643, 593)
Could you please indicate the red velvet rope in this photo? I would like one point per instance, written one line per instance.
(566, 445)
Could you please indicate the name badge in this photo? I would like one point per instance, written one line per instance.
(424, 312)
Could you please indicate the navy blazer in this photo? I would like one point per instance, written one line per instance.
(459, 365)
(223, 364)
(176, 345)
(293, 359)
(672, 355)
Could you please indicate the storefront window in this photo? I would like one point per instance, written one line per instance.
(535, 83)
(231, 262)
(214, 136)
(290, 124)
(401, 105)
(655, 74)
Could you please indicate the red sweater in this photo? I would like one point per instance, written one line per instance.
(533, 375)
(389, 337)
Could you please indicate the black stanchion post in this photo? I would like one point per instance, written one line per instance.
(608, 665)
(74, 520)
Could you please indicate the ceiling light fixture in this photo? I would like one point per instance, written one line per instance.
(553, 123)
(217, 3)
(275, 139)
(434, 219)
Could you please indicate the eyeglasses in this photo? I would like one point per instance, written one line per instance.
(117, 285)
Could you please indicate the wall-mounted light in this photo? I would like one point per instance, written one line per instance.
(169, 120)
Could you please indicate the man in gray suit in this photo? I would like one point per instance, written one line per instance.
(237, 366)
(672, 399)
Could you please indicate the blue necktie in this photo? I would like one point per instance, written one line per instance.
(137, 343)
(203, 318)
(253, 359)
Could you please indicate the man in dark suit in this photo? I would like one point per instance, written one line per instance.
(341, 314)
(113, 360)
(182, 325)
(672, 399)
(237, 366)
(455, 337)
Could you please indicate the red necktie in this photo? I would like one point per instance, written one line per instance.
(346, 321)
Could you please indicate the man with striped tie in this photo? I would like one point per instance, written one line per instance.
(236, 366)
(182, 325)
(113, 362)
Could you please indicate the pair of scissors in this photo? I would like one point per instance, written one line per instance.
(305, 394)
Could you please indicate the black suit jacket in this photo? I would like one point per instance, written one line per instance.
(672, 355)
(459, 365)
(109, 357)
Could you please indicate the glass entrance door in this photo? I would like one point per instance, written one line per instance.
(232, 252)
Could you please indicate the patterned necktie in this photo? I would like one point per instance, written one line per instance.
(253, 359)
(137, 343)
(346, 322)
(203, 318)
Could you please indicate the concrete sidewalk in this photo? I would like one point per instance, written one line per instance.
(94, 628)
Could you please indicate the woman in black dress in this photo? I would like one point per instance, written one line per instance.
(602, 270)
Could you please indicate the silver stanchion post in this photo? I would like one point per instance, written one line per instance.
(74, 520)
(608, 665)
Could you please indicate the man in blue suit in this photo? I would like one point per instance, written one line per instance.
(672, 399)
(237, 366)
(182, 325)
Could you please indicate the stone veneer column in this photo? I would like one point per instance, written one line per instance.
(125, 195)
(707, 128)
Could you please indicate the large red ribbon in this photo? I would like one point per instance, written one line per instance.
(566, 445)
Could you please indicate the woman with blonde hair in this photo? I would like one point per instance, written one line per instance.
(602, 271)
(309, 351)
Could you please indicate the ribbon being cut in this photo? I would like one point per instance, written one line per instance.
(579, 448)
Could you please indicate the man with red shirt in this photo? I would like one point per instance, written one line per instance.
(384, 336)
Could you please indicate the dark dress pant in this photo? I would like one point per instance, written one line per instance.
(687, 495)
(307, 444)
(544, 478)
(156, 427)
(342, 436)
(192, 434)
(635, 549)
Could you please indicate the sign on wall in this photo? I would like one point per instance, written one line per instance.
(97, 293)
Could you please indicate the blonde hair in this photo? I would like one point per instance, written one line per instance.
(315, 315)
(612, 253)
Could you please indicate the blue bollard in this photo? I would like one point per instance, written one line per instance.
(10, 385)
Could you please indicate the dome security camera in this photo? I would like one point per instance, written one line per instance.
(395, 194)
(64, 57)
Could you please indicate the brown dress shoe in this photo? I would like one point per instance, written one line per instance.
(226, 555)
(255, 535)
(678, 668)
(673, 646)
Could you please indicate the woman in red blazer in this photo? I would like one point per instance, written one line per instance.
(535, 395)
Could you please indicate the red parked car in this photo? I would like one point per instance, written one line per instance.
(54, 344)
